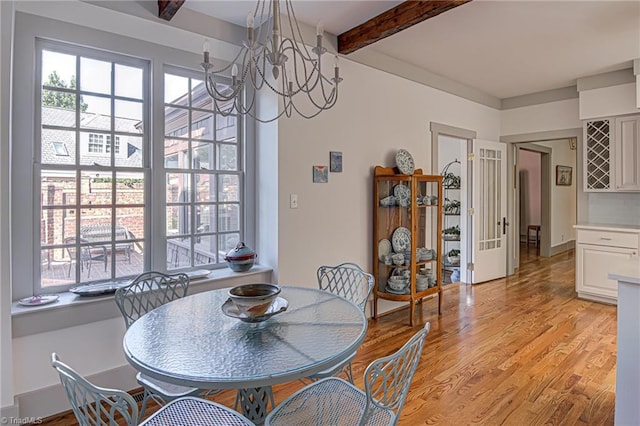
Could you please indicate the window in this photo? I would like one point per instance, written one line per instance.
(60, 149)
(92, 207)
(91, 201)
(95, 143)
(204, 180)
(98, 146)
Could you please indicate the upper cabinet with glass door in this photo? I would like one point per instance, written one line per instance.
(612, 154)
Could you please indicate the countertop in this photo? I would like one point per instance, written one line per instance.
(607, 227)
(631, 279)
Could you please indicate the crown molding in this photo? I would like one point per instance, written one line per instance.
(538, 98)
(613, 78)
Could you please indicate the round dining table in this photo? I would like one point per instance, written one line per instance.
(191, 342)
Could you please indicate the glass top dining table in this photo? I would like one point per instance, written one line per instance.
(191, 342)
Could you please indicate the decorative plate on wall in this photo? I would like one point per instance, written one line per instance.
(404, 162)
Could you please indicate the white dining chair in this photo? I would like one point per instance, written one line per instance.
(93, 405)
(334, 401)
(191, 411)
(350, 281)
(146, 292)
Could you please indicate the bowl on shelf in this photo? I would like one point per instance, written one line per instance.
(397, 283)
(453, 259)
(422, 282)
(254, 300)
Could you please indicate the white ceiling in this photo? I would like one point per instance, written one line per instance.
(503, 48)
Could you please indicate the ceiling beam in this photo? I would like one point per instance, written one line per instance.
(393, 21)
(168, 8)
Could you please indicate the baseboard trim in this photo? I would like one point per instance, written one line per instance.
(9, 412)
(561, 248)
(51, 400)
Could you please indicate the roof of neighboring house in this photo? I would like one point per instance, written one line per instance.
(56, 142)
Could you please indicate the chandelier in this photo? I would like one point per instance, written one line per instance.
(270, 60)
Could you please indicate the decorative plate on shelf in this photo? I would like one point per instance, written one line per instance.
(198, 273)
(384, 248)
(99, 289)
(404, 162)
(280, 304)
(402, 194)
(392, 291)
(41, 299)
(401, 239)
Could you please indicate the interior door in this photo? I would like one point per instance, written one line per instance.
(489, 218)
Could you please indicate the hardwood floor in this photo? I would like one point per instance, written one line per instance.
(516, 351)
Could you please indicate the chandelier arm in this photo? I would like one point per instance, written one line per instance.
(291, 14)
(210, 85)
(310, 75)
(260, 70)
(303, 115)
(295, 69)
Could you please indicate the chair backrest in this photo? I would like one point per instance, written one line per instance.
(387, 379)
(94, 405)
(71, 250)
(347, 280)
(147, 291)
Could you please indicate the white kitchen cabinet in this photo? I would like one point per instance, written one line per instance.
(598, 155)
(600, 252)
(627, 153)
(612, 154)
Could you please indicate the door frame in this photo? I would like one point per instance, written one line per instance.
(581, 196)
(437, 130)
(545, 199)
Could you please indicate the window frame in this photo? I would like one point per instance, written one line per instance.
(102, 137)
(213, 171)
(29, 28)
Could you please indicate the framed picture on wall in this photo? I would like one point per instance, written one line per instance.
(563, 175)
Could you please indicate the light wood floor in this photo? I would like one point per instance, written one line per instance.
(516, 351)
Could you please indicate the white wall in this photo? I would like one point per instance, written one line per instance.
(618, 208)
(608, 101)
(558, 115)
(563, 198)
(376, 114)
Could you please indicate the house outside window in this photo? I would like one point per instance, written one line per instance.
(94, 217)
(92, 202)
(204, 178)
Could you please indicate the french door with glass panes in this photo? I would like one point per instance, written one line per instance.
(489, 217)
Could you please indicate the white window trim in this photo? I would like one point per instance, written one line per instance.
(27, 29)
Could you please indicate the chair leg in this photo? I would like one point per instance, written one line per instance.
(146, 396)
(349, 373)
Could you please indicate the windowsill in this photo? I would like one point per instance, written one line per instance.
(72, 310)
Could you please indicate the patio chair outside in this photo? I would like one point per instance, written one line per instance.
(353, 283)
(334, 401)
(88, 255)
(146, 292)
(94, 405)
